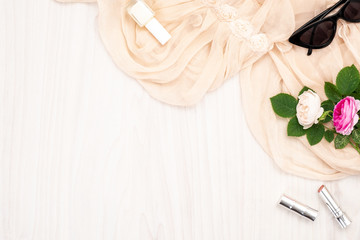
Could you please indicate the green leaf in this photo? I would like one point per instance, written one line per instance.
(304, 90)
(327, 106)
(355, 95)
(329, 136)
(341, 141)
(284, 105)
(294, 129)
(332, 92)
(315, 134)
(348, 80)
(356, 136)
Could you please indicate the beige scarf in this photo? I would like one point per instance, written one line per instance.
(213, 40)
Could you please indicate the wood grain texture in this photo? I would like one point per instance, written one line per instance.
(85, 153)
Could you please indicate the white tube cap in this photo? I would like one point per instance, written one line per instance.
(140, 12)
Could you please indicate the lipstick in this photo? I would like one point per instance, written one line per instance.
(299, 208)
(334, 208)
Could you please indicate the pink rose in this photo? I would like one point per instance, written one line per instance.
(345, 115)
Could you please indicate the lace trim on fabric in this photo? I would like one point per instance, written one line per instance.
(240, 28)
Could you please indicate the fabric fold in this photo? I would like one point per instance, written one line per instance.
(213, 40)
(77, 1)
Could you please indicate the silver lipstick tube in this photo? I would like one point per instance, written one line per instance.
(299, 208)
(334, 208)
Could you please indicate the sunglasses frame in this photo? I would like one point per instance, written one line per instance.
(295, 37)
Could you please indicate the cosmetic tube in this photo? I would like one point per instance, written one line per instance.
(143, 15)
(334, 208)
(299, 208)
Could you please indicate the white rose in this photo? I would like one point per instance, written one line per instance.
(309, 109)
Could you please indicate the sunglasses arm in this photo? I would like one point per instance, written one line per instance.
(309, 52)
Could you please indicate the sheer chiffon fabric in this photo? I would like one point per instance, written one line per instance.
(214, 40)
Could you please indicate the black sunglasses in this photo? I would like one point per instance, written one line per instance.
(320, 31)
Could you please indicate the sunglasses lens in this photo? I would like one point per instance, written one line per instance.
(352, 11)
(318, 35)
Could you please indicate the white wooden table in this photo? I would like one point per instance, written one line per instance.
(86, 154)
